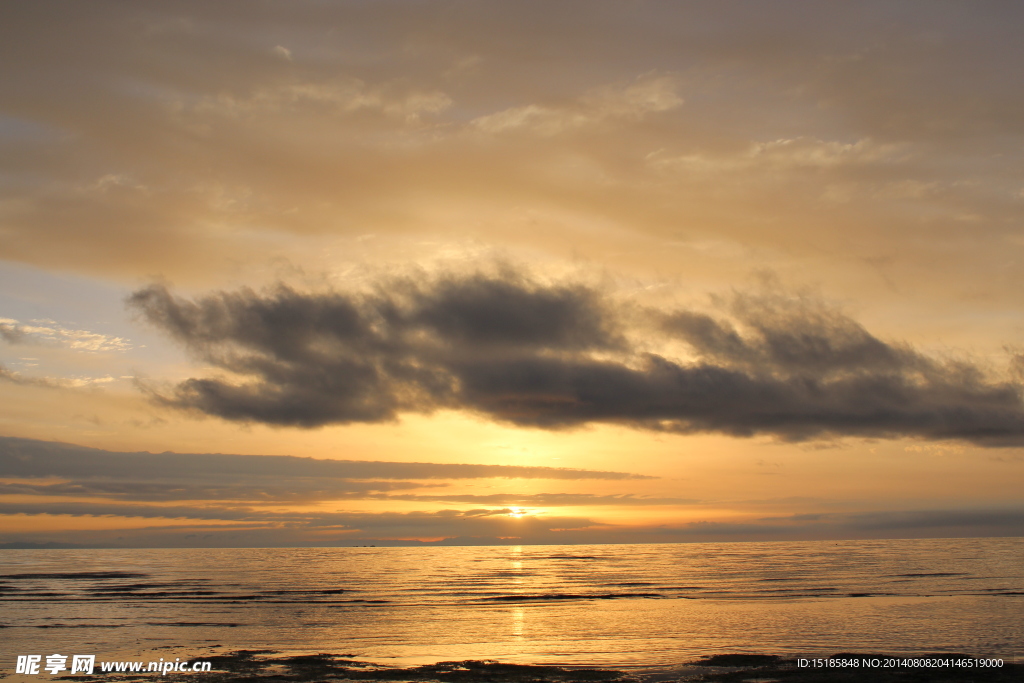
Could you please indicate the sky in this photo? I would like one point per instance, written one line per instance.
(341, 273)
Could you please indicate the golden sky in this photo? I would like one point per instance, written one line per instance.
(484, 272)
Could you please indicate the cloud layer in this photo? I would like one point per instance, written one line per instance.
(881, 138)
(28, 458)
(50, 333)
(557, 355)
(281, 500)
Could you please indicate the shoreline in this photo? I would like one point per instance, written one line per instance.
(269, 666)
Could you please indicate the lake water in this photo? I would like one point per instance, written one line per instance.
(607, 605)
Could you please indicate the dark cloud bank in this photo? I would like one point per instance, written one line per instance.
(564, 355)
(253, 479)
(31, 458)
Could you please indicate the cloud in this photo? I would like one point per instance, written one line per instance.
(234, 500)
(28, 458)
(18, 378)
(296, 490)
(51, 333)
(239, 525)
(89, 481)
(557, 355)
(649, 94)
(910, 117)
(250, 489)
(343, 97)
(313, 527)
(541, 499)
(770, 158)
(946, 522)
(343, 358)
(418, 522)
(950, 523)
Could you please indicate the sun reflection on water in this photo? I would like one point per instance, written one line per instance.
(518, 621)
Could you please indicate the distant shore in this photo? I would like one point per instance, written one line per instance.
(264, 665)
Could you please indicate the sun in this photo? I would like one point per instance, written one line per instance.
(516, 512)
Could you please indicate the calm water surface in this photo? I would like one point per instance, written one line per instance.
(609, 605)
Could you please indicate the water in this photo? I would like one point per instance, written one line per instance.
(606, 605)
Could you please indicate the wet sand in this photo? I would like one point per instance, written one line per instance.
(256, 666)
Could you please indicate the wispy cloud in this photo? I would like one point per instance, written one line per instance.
(239, 525)
(542, 499)
(395, 100)
(243, 529)
(52, 333)
(7, 375)
(648, 95)
(939, 523)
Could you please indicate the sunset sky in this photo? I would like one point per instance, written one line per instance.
(510, 272)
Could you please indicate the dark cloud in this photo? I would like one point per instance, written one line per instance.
(341, 358)
(794, 335)
(298, 491)
(28, 458)
(555, 356)
(509, 313)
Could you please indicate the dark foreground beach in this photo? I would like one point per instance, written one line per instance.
(267, 666)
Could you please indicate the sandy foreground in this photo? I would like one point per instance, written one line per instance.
(262, 665)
